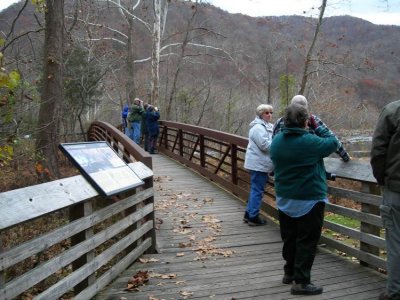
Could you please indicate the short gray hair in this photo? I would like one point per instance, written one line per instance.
(262, 108)
(300, 100)
(296, 115)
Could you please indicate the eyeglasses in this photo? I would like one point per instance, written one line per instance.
(268, 112)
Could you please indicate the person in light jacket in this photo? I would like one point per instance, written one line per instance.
(258, 162)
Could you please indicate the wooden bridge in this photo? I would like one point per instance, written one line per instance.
(193, 244)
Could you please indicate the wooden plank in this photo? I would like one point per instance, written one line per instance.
(237, 285)
(141, 170)
(356, 234)
(350, 251)
(365, 226)
(34, 276)
(355, 214)
(64, 285)
(356, 196)
(19, 206)
(16, 254)
(253, 271)
(33, 201)
(114, 271)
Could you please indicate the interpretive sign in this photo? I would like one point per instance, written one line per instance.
(101, 166)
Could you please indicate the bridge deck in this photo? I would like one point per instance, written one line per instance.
(207, 252)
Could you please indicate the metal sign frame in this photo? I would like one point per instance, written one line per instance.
(101, 166)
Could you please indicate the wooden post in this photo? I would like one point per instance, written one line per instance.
(148, 183)
(202, 152)
(76, 212)
(165, 134)
(368, 228)
(180, 134)
(234, 164)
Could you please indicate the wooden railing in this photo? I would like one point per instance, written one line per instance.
(220, 157)
(75, 241)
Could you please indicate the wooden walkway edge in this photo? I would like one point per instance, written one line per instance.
(205, 251)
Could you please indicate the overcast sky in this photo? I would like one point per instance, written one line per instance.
(376, 11)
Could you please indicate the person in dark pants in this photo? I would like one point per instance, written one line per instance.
(385, 162)
(301, 193)
(152, 116)
(144, 139)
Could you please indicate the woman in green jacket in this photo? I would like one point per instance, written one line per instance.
(301, 193)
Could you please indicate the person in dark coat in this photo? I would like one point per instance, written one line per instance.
(301, 193)
(144, 138)
(385, 162)
(124, 115)
(152, 115)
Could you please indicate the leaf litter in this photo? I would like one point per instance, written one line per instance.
(177, 206)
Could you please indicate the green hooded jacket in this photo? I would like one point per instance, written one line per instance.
(136, 113)
(299, 168)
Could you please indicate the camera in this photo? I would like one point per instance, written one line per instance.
(330, 176)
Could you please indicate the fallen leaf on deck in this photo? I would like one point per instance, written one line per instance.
(140, 278)
(163, 276)
(145, 261)
(185, 294)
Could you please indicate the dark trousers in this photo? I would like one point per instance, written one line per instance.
(152, 143)
(300, 238)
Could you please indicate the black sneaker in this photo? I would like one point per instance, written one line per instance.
(256, 221)
(246, 217)
(287, 279)
(305, 289)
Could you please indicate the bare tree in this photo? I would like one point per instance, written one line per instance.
(310, 50)
(160, 13)
(47, 138)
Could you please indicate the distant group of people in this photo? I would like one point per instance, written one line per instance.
(140, 123)
(292, 150)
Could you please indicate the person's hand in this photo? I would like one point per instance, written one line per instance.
(156, 108)
(313, 123)
(346, 157)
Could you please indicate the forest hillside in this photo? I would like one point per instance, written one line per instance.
(214, 67)
(242, 61)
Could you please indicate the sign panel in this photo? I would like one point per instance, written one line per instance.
(101, 166)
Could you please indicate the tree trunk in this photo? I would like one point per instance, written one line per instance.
(130, 82)
(310, 50)
(155, 55)
(179, 65)
(47, 138)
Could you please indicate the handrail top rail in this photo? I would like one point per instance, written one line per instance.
(27, 203)
(219, 135)
(354, 169)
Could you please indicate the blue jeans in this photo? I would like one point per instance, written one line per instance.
(390, 213)
(257, 185)
(136, 131)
